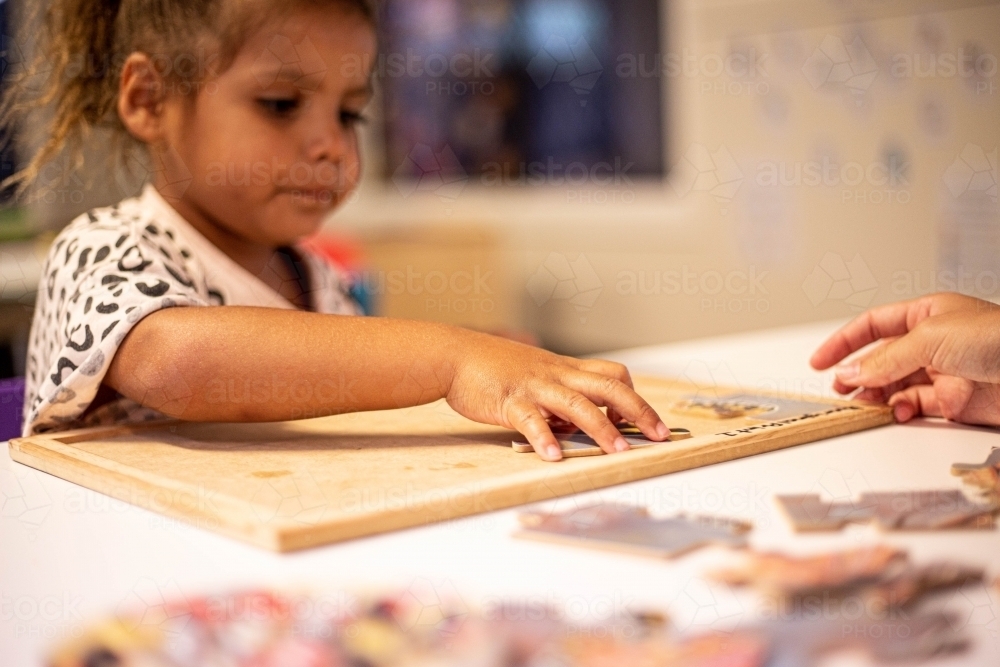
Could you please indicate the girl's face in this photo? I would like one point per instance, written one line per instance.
(270, 145)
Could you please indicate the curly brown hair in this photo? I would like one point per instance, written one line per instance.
(84, 43)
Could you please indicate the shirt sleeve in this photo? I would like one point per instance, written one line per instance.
(330, 287)
(97, 284)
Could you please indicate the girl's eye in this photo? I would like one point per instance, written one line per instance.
(279, 106)
(351, 118)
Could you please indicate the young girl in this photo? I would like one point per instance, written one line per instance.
(195, 300)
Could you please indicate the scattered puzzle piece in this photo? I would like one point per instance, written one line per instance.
(424, 626)
(739, 649)
(631, 529)
(881, 575)
(907, 587)
(901, 510)
(890, 639)
(809, 512)
(778, 574)
(984, 475)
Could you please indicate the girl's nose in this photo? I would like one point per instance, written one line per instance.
(327, 140)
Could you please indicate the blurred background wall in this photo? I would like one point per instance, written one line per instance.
(613, 174)
(819, 157)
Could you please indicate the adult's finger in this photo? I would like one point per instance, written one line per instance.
(527, 419)
(950, 397)
(576, 408)
(843, 388)
(882, 394)
(620, 400)
(968, 402)
(915, 401)
(890, 362)
(872, 325)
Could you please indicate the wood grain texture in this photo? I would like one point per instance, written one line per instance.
(291, 485)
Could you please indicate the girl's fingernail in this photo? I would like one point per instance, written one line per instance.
(663, 430)
(902, 412)
(621, 445)
(555, 453)
(848, 372)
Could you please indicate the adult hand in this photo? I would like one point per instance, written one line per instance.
(938, 355)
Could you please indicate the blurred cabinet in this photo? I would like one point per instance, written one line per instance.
(454, 274)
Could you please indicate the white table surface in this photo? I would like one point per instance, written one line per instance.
(68, 555)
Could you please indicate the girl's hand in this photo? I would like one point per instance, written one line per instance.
(939, 356)
(520, 387)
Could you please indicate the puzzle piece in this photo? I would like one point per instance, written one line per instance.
(746, 406)
(901, 510)
(906, 587)
(737, 649)
(573, 442)
(779, 574)
(631, 529)
(881, 575)
(809, 512)
(893, 638)
(984, 475)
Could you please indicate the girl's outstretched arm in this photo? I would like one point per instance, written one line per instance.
(262, 364)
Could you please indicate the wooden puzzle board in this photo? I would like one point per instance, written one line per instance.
(290, 485)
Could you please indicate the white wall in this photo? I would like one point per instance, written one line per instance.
(788, 113)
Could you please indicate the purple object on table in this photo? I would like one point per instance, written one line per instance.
(11, 402)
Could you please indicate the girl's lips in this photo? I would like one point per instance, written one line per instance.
(309, 191)
(321, 195)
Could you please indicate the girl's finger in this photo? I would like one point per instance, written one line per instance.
(620, 400)
(527, 419)
(574, 407)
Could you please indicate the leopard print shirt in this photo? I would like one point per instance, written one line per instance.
(109, 268)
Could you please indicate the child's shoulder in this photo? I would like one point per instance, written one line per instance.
(102, 229)
(129, 233)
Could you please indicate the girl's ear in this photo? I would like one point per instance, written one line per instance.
(141, 94)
